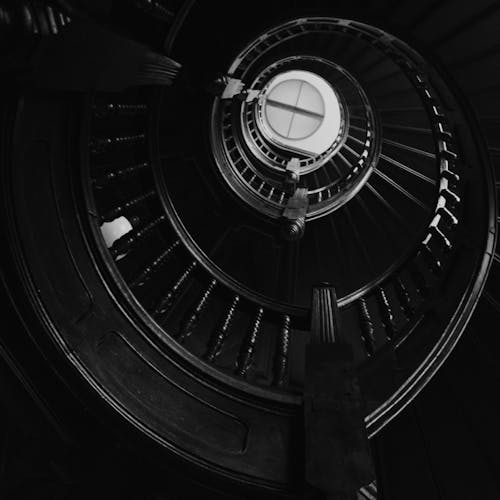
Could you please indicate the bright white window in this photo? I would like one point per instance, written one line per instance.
(301, 111)
(115, 229)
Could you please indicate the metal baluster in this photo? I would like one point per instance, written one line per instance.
(147, 273)
(246, 355)
(123, 244)
(121, 209)
(386, 312)
(119, 174)
(217, 340)
(367, 328)
(404, 299)
(111, 109)
(165, 304)
(101, 144)
(281, 355)
(189, 323)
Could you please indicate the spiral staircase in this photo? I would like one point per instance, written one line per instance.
(164, 244)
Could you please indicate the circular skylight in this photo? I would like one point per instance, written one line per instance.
(294, 109)
(300, 111)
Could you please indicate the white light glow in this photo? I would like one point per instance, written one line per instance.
(301, 111)
(111, 231)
